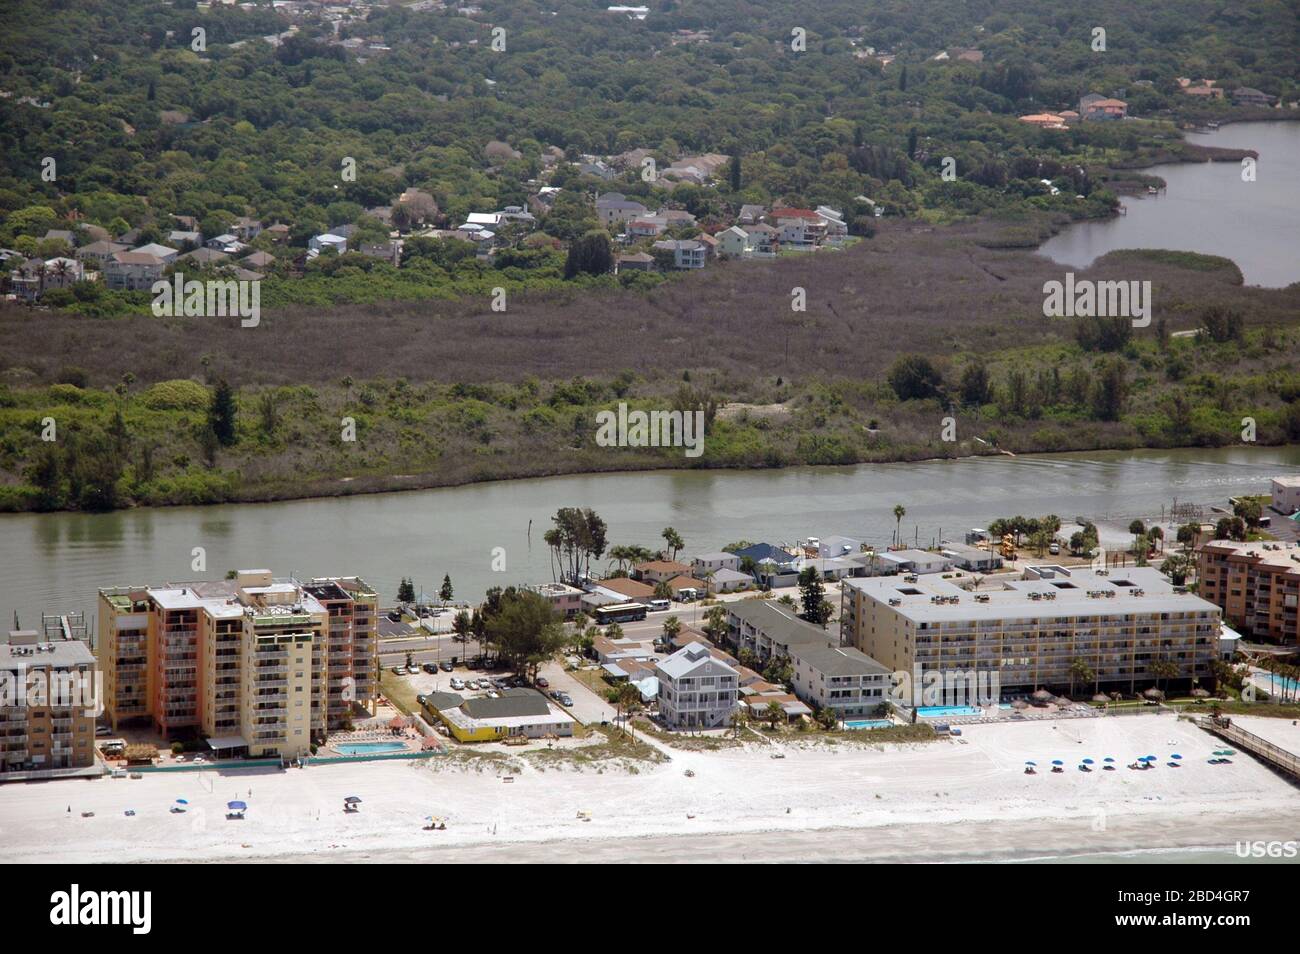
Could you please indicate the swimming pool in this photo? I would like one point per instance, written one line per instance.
(1276, 683)
(369, 748)
(933, 712)
(868, 724)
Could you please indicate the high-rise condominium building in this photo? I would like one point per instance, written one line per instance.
(1256, 584)
(258, 665)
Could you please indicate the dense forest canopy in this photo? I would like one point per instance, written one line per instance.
(141, 125)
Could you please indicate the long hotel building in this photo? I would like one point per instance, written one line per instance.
(1030, 630)
(258, 665)
(1256, 584)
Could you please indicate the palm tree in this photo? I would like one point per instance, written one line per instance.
(899, 513)
(674, 541)
(672, 626)
(739, 719)
(626, 699)
(1079, 669)
(552, 540)
(774, 714)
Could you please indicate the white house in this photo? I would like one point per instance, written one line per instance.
(687, 253)
(840, 678)
(733, 242)
(318, 243)
(718, 560)
(1286, 494)
(696, 690)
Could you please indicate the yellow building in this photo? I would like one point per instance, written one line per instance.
(1131, 628)
(257, 665)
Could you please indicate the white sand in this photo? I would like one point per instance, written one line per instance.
(779, 806)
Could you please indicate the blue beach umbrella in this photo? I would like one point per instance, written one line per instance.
(1108, 759)
(1031, 763)
(1175, 756)
(237, 806)
(1057, 762)
(1088, 762)
(181, 801)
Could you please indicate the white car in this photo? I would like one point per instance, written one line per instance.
(457, 683)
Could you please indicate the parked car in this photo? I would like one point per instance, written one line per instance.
(542, 683)
(447, 667)
(398, 670)
(1054, 549)
(566, 699)
(430, 667)
(457, 683)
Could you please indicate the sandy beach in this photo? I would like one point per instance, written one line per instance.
(946, 800)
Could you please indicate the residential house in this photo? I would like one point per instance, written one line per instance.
(613, 208)
(763, 240)
(835, 546)
(634, 262)
(181, 238)
(836, 231)
(751, 214)
(659, 571)
(257, 260)
(279, 232)
(1094, 107)
(696, 690)
(100, 252)
(645, 226)
(318, 243)
(728, 581)
(687, 589)
(623, 589)
(203, 256)
(246, 229)
(1284, 494)
(226, 242)
(971, 558)
(1249, 96)
(917, 561)
(564, 599)
(676, 218)
(517, 712)
(718, 560)
(166, 253)
(798, 229)
(390, 252)
(596, 167)
(687, 253)
(733, 242)
(1045, 120)
(133, 271)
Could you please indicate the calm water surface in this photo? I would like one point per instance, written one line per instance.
(1209, 209)
(57, 561)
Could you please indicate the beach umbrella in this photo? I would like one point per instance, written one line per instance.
(352, 800)
(1057, 762)
(1031, 763)
(1175, 756)
(237, 806)
(1108, 759)
(1042, 695)
(181, 801)
(1229, 752)
(1152, 758)
(1101, 697)
(1087, 762)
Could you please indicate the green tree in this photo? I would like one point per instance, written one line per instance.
(913, 377)
(406, 591)
(812, 594)
(899, 513)
(445, 593)
(222, 413)
(592, 254)
(674, 541)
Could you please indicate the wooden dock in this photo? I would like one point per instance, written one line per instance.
(1279, 758)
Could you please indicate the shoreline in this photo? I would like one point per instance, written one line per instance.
(945, 801)
(403, 483)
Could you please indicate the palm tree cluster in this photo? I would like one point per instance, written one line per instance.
(579, 535)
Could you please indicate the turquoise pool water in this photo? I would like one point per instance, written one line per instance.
(931, 712)
(1278, 683)
(867, 724)
(369, 748)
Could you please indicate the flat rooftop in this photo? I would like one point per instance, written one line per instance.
(1064, 593)
(59, 653)
(1285, 555)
